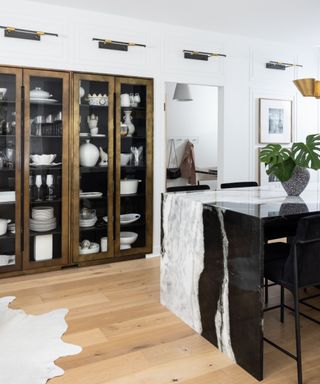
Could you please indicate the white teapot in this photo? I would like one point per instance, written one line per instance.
(92, 121)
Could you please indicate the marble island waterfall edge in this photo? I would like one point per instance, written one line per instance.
(182, 264)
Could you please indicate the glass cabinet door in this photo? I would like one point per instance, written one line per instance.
(10, 169)
(46, 141)
(134, 166)
(93, 168)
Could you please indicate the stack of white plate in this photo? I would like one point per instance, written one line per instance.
(88, 222)
(42, 219)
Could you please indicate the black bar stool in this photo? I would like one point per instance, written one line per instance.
(293, 267)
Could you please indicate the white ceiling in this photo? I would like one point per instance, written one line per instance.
(295, 21)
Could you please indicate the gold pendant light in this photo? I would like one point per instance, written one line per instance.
(308, 87)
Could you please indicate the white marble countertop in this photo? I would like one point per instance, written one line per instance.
(267, 201)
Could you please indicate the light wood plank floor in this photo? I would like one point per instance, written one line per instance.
(129, 338)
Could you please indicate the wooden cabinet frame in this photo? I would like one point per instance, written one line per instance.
(65, 212)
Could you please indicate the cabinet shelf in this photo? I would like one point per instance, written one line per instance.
(44, 168)
(7, 136)
(56, 231)
(37, 104)
(133, 137)
(95, 169)
(134, 108)
(96, 227)
(93, 106)
(133, 195)
(8, 236)
(46, 137)
(34, 202)
(7, 169)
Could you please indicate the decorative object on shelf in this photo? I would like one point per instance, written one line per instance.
(3, 92)
(88, 217)
(92, 121)
(137, 99)
(275, 121)
(3, 159)
(290, 165)
(128, 238)
(90, 194)
(4, 226)
(125, 100)
(128, 121)
(42, 219)
(43, 247)
(38, 93)
(89, 154)
(173, 172)
(116, 45)
(182, 92)
(38, 183)
(280, 65)
(27, 34)
(104, 244)
(91, 248)
(129, 186)
(10, 154)
(12, 228)
(104, 158)
(137, 155)
(308, 87)
(105, 219)
(129, 218)
(98, 99)
(123, 129)
(50, 185)
(81, 93)
(43, 159)
(125, 158)
(203, 56)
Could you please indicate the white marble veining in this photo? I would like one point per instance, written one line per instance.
(222, 318)
(182, 258)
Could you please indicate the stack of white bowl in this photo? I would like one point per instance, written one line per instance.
(42, 219)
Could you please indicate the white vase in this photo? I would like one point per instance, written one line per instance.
(89, 154)
(128, 122)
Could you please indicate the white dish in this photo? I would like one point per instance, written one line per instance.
(43, 100)
(44, 159)
(128, 237)
(124, 246)
(84, 134)
(94, 248)
(43, 228)
(45, 165)
(98, 135)
(39, 93)
(129, 218)
(105, 218)
(90, 194)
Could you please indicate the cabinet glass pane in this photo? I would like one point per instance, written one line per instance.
(7, 169)
(45, 170)
(133, 131)
(93, 170)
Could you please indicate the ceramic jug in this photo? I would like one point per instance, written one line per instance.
(89, 154)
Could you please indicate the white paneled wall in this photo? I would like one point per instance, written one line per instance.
(242, 76)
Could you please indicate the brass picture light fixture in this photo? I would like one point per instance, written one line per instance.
(308, 87)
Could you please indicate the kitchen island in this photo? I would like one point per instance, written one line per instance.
(212, 262)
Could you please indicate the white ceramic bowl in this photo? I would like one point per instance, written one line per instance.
(43, 159)
(129, 187)
(125, 158)
(38, 93)
(129, 218)
(128, 237)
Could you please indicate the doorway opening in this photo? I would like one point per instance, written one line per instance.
(192, 126)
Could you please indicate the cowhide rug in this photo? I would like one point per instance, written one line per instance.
(29, 345)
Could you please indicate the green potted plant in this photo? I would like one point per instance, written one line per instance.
(290, 165)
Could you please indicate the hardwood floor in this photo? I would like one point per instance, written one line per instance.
(128, 337)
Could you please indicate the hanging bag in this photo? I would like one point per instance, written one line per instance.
(173, 173)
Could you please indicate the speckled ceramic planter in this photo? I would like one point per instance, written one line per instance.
(297, 182)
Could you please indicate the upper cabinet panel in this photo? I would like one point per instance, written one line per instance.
(87, 53)
(175, 62)
(48, 52)
(274, 78)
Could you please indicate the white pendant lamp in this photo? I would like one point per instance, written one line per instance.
(182, 92)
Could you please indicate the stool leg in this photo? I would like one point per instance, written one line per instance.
(282, 304)
(298, 335)
(266, 292)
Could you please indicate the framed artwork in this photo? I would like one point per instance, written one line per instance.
(275, 121)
